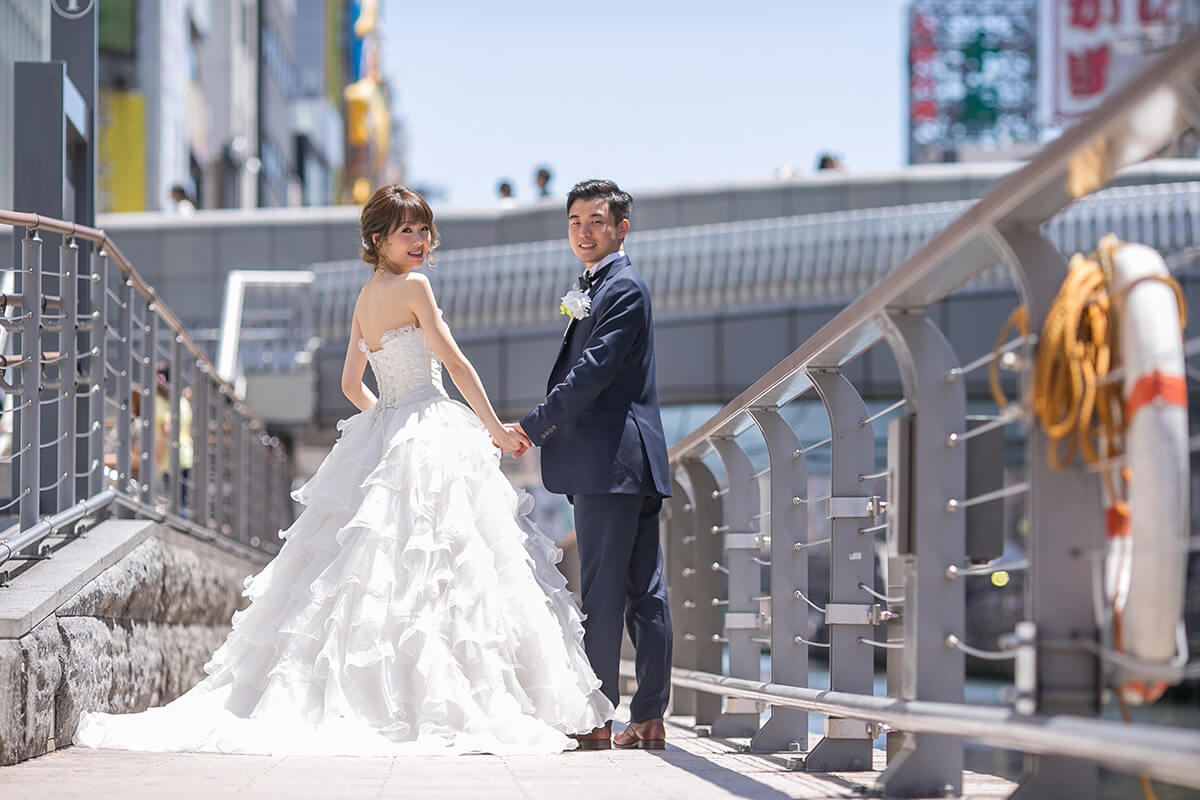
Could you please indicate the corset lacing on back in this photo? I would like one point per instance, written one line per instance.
(405, 367)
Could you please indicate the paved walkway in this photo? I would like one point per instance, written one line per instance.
(691, 768)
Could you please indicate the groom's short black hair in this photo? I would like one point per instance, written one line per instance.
(620, 203)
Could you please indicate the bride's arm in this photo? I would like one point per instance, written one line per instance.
(437, 333)
(352, 371)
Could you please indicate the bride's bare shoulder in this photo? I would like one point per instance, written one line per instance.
(414, 281)
(413, 288)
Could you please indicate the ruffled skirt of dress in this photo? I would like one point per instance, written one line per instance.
(412, 609)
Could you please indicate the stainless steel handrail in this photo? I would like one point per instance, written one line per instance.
(111, 335)
(21, 219)
(1169, 754)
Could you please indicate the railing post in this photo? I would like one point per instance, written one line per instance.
(29, 417)
(68, 267)
(679, 555)
(222, 513)
(241, 428)
(99, 372)
(201, 405)
(148, 473)
(230, 475)
(847, 743)
(934, 604)
(787, 729)
(1066, 533)
(702, 584)
(253, 488)
(285, 496)
(742, 621)
(175, 389)
(279, 489)
(124, 370)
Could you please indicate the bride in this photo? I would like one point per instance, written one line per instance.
(412, 608)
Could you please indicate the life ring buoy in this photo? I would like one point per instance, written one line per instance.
(1146, 570)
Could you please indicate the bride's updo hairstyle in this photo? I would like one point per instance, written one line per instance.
(389, 208)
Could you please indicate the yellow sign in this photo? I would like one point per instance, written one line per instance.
(121, 155)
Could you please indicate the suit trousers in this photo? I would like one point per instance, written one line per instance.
(621, 577)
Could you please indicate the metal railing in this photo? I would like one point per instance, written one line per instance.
(730, 517)
(814, 258)
(108, 400)
(266, 322)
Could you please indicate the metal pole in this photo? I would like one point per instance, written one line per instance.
(680, 555)
(175, 387)
(847, 743)
(283, 492)
(124, 370)
(742, 621)
(241, 431)
(703, 584)
(148, 473)
(46, 526)
(29, 418)
(99, 374)
(273, 491)
(933, 608)
(220, 460)
(253, 488)
(1162, 752)
(200, 432)
(787, 729)
(67, 368)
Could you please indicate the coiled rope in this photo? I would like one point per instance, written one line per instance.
(1073, 398)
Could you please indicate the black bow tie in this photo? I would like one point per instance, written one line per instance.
(590, 278)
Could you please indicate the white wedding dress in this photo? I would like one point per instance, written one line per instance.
(412, 609)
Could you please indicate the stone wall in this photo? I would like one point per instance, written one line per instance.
(136, 635)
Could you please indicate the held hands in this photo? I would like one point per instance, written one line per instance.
(511, 439)
(526, 442)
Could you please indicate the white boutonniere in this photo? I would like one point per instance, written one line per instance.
(575, 304)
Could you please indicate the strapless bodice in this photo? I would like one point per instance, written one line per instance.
(405, 367)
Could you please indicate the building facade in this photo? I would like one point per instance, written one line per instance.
(24, 36)
(230, 79)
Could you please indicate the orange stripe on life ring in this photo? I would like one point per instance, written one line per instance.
(1117, 522)
(1171, 389)
(1141, 693)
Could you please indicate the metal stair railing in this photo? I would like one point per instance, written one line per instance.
(93, 387)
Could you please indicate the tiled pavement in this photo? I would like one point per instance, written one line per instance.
(691, 768)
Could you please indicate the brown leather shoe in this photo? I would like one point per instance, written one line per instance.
(598, 739)
(648, 735)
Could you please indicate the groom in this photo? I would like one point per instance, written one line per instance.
(603, 446)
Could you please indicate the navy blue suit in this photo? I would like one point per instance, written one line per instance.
(602, 443)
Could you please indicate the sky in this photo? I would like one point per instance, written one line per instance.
(655, 95)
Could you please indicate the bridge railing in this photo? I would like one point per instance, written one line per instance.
(812, 258)
(731, 517)
(108, 401)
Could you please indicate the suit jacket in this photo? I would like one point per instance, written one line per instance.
(599, 427)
